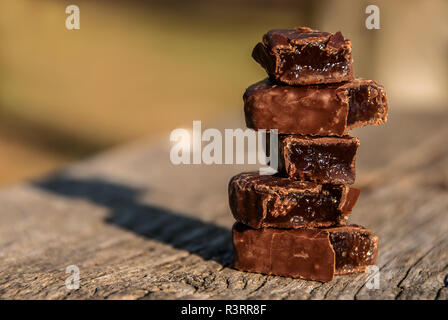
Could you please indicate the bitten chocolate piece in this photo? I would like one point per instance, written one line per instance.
(303, 56)
(261, 201)
(325, 110)
(318, 159)
(312, 254)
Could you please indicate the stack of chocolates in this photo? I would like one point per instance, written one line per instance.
(294, 223)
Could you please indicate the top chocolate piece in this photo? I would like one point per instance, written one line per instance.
(303, 56)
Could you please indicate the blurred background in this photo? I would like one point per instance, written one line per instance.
(137, 69)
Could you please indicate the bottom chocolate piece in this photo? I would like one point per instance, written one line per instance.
(312, 254)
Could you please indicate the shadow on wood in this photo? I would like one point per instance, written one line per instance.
(209, 241)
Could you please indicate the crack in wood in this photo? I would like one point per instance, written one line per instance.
(445, 285)
(397, 296)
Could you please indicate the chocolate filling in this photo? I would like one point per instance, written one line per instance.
(319, 159)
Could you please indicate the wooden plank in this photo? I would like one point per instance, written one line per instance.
(140, 228)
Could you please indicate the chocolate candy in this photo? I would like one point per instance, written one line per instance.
(325, 110)
(294, 223)
(314, 254)
(303, 56)
(263, 201)
(318, 159)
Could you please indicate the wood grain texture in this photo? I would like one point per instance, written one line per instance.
(139, 227)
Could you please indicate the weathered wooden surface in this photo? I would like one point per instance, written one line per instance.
(139, 227)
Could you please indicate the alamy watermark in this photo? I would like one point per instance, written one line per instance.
(72, 22)
(373, 20)
(373, 280)
(229, 148)
(72, 281)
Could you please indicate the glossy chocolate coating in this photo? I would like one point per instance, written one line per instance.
(323, 110)
(313, 254)
(261, 201)
(303, 56)
(318, 159)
